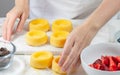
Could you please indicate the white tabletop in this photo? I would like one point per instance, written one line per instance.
(31, 71)
(106, 34)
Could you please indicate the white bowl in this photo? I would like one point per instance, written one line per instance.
(93, 52)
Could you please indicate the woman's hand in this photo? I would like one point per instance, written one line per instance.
(78, 39)
(19, 11)
(82, 35)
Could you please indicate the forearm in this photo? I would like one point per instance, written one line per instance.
(21, 3)
(106, 10)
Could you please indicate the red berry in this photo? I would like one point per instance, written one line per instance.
(91, 65)
(107, 63)
(118, 58)
(115, 60)
(105, 60)
(112, 65)
(97, 66)
(118, 66)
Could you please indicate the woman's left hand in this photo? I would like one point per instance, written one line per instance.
(79, 38)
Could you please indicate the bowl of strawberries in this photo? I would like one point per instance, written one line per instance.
(101, 59)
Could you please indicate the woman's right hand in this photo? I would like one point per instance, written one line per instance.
(20, 12)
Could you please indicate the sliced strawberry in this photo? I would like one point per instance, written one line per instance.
(99, 65)
(112, 65)
(91, 65)
(106, 68)
(115, 60)
(96, 64)
(118, 66)
(98, 61)
(107, 63)
(118, 58)
(105, 60)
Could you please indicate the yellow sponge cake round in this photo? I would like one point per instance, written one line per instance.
(39, 24)
(41, 59)
(55, 67)
(58, 38)
(62, 25)
(36, 38)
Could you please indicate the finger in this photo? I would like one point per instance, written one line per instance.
(71, 57)
(10, 26)
(74, 65)
(4, 29)
(73, 69)
(67, 49)
(21, 23)
(76, 60)
(77, 64)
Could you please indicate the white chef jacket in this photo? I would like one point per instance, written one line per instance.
(71, 9)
